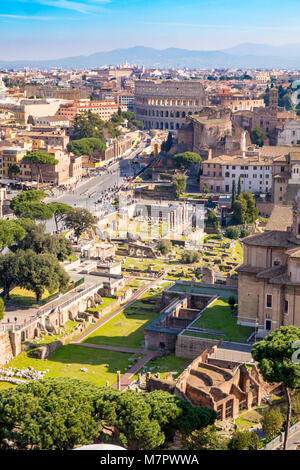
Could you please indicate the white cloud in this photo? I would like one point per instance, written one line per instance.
(26, 17)
(79, 7)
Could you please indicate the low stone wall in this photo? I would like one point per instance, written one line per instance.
(191, 347)
(45, 350)
(12, 380)
(6, 349)
(154, 383)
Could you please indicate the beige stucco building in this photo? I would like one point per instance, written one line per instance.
(269, 279)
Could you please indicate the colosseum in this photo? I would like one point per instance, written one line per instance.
(164, 104)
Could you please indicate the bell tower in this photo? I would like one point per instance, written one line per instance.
(273, 99)
(296, 216)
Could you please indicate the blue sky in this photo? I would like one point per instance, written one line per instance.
(36, 29)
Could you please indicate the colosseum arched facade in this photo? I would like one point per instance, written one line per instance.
(164, 104)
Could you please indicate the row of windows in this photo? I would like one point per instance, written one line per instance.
(170, 102)
(269, 303)
(227, 175)
(233, 167)
(171, 114)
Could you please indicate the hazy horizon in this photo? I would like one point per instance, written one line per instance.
(54, 29)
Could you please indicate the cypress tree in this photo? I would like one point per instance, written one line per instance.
(233, 194)
(239, 187)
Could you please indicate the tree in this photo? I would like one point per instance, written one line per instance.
(40, 272)
(38, 160)
(252, 211)
(167, 144)
(2, 309)
(190, 256)
(239, 191)
(31, 120)
(232, 302)
(40, 242)
(212, 219)
(34, 210)
(11, 265)
(239, 211)
(59, 211)
(232, 232)
(244, 440)
(86, 146)
(48, 414)
(205, 188)
(59, 413)
(10, 232)
(258, 136)
(244, 233)
(204, 439)
(79, 220)
(276, 363)
(184, 160)
(13, 170)
(272, 423)
(233, 194)
(164, 246)
(146, 420)
(179, 185)
(27, 196)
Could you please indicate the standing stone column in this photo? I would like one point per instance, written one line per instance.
(118, 380)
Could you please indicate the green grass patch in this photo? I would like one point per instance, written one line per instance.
(127, 328)
(166, 364)
(201, 335)
(6, 385)
(67, 361)
(218, 316)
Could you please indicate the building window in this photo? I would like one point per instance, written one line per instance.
(286, 307)
(268, 325)
(269, 300)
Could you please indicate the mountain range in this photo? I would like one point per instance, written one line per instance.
(247, 55)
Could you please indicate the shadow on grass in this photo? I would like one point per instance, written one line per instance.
(127, 328)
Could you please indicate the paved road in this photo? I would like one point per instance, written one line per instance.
(126, 379)
(110, 348)
(102, 322)
(24, 314)
(91, 194)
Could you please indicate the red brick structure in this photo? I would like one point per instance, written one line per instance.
(224, 386)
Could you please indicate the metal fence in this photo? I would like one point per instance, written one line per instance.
(279, 439)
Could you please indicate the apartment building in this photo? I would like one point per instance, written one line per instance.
(10, 156)
(104, 109)
(254, 169)
(54, 174)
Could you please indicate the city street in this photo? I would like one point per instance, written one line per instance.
(97, 193)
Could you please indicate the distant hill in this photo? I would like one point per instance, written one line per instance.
(246, 55)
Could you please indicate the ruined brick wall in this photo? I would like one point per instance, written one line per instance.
(190, 347)
(154, 383)
(6, 350)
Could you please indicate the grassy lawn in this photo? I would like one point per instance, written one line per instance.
(67, 329)
(68, 360)
(27, 297)
(123, 330)
(6, 385)
(166, 364)
(106, 301)
(201, 335)
(127, 328)
(219, 317)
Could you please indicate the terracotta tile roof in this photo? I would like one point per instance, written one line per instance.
(280, 219)
(273, 272)
(274, 238)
